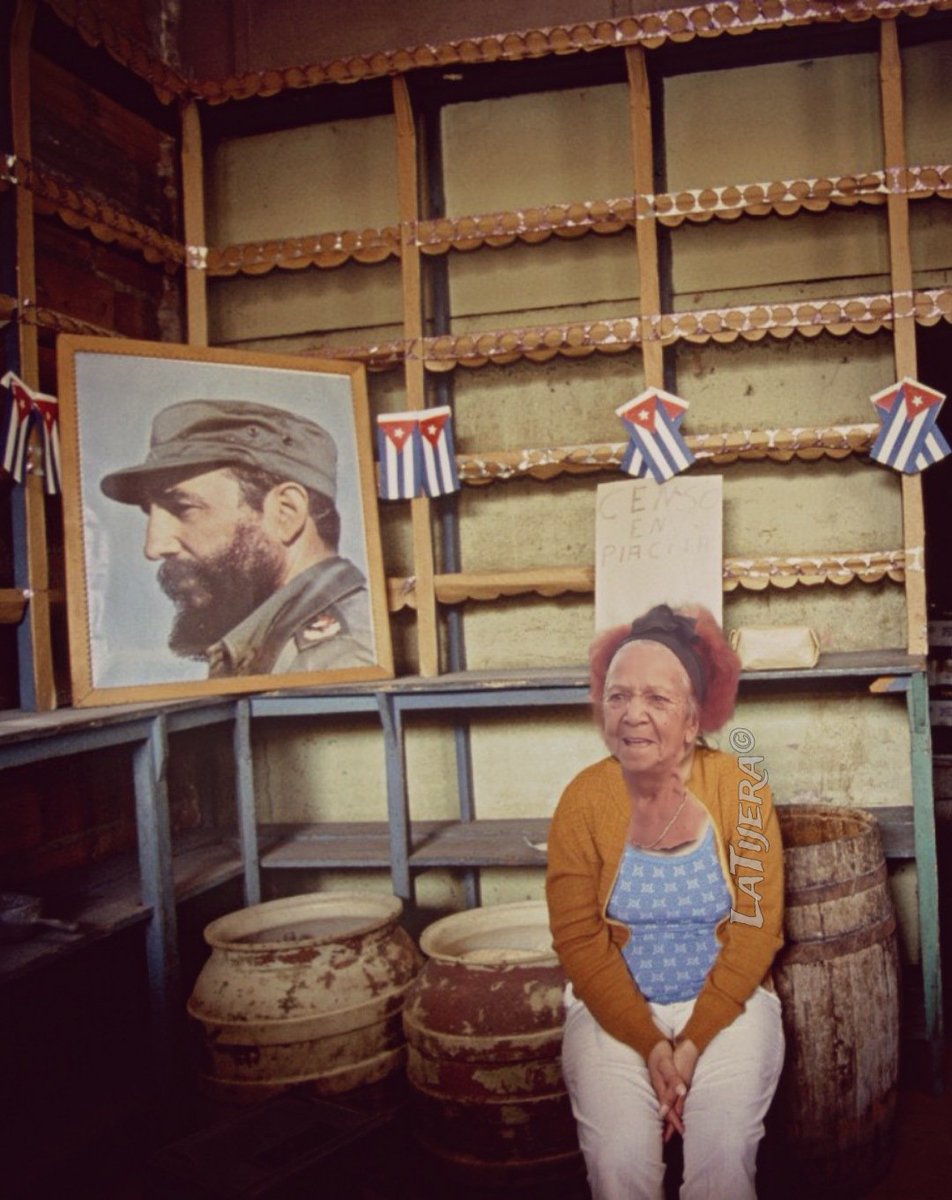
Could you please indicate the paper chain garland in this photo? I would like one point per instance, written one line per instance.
(434, 236)
(751, 574)
(23, 408)
(650, 29)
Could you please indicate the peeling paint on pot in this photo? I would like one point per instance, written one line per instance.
(483, 1022)
(304, 991)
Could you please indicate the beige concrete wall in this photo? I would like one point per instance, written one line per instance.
(928, 112)
(837, 253)
(553, 283)
(293, 183)
(545, 148)
(521, 152)
(928, 102)
(788, 120)
(792, 383)
(309, 179)
(349, 306)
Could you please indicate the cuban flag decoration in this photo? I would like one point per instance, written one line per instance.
(417, 454)
(16, 413)
(47, 409)
(437, 451)
(399, 456)
(656, 447)
(909, 440)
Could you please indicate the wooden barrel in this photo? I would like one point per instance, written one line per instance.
(833, 1119)
(304, 992)
(483, 1022)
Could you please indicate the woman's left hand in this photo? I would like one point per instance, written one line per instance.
(685, 1059)
(670, 1087)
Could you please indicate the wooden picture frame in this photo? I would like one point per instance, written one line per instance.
(159, 447)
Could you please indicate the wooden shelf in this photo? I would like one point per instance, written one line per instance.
(30, 736)
(106, 898)
(841, 664)
(838, 663)
(461, 845)
(366, 844)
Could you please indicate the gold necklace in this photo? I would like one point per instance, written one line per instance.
(677, 813)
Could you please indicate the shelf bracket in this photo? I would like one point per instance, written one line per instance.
(397, 799)
(245, 803)
(150, 761)
(927, 870)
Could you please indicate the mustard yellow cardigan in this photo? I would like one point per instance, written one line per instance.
(586, 841)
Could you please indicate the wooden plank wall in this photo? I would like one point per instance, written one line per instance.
(85, 157)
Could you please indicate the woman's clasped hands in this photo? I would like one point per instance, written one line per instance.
(671, 1069)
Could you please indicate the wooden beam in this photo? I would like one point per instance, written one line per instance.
(12, 605)
(193, 208)
(34, 508)
(904, 325)
(408, 175)
(646, 229)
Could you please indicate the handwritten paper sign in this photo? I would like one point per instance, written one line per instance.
(658, 543)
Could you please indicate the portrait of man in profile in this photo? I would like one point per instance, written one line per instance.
(240, 506)
(220, 520)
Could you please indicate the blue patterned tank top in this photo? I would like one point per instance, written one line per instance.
(671, 904)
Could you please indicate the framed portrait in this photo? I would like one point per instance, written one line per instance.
(220, 522)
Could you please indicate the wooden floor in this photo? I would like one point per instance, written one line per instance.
(922, 1168)
(230, 1159)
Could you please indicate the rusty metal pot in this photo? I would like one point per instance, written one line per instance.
(304, 992)
(483, 1021)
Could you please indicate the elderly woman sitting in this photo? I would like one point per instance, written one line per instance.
(665, 895)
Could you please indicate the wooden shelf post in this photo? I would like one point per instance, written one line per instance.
(646, 228)
(408, 172)
(904, 323)
(193, 204)
(35, 643)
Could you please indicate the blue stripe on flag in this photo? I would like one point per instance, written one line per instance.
(633, 461)
(440, 476)
(909, 446)
(398, 466)
(660, 457)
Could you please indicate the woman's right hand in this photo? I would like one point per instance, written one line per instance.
(670, 1087)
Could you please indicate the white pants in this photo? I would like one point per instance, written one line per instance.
(616, 1108)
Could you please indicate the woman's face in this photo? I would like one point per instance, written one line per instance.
(649, 718)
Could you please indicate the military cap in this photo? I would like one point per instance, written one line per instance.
(199, 435)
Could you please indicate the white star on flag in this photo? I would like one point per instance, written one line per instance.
(909, 440)
(656, 448)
